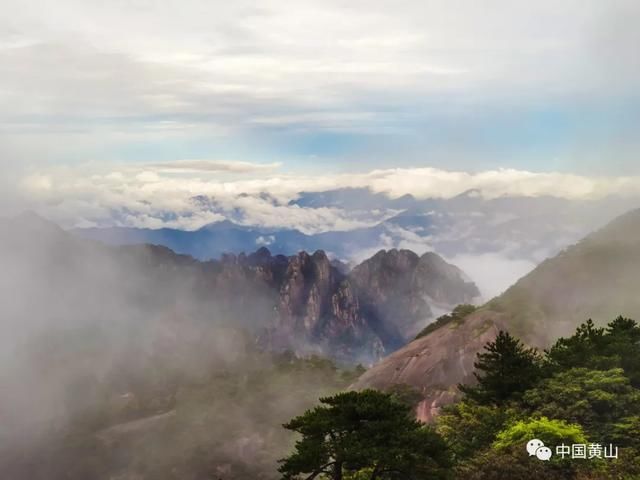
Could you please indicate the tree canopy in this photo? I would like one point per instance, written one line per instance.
(366, 433)
(585, 388)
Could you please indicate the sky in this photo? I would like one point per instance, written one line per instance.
(131, 101)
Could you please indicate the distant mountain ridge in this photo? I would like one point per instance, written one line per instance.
(596, 278)
(523, 227)
(208, 242)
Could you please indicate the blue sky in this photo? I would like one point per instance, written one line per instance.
(580, 138)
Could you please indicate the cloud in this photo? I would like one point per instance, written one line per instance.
(265, 240)
(148, 196)
(432, 182)
(492, 272)
(215, 166)
(144, 75)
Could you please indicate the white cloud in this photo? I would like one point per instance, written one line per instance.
(128, 194)
(238, 64)
(141, 196)
(265, 240)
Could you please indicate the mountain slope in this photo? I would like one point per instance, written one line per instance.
(596, 278)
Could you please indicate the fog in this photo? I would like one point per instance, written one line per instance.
(492, 272)
(117, 362)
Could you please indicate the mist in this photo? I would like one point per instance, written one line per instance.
(492, 272)
(132, 362)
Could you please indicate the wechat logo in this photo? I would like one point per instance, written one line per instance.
(536, 448)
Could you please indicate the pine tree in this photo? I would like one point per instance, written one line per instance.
(504, 371)
(367, 435)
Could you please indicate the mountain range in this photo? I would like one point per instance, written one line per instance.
(512, 234)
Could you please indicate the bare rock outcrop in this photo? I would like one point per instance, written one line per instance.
(437, 363)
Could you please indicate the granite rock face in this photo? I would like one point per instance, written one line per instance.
(400, 288)
(368, 312)
(435, 364)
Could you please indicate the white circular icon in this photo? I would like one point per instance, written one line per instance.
(543, 453)
(534, 445)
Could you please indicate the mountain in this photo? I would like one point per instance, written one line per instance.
(376, 308)
(364, 314)
(210, 241)
(400, 281)
(592, 279)
(303, 302)
(596, 278)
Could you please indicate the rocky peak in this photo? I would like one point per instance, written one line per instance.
(260, 256)
(376, 308)
(391, 260)
(305, 295)
(400, 281)
(443, 282)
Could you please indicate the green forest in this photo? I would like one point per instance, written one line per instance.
(583, 391)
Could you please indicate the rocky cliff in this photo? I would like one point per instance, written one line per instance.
(362, 314)
(401, 288)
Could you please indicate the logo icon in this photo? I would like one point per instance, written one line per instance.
(543, 453)
(536, 448)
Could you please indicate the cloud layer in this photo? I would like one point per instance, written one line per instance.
(191, 194)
